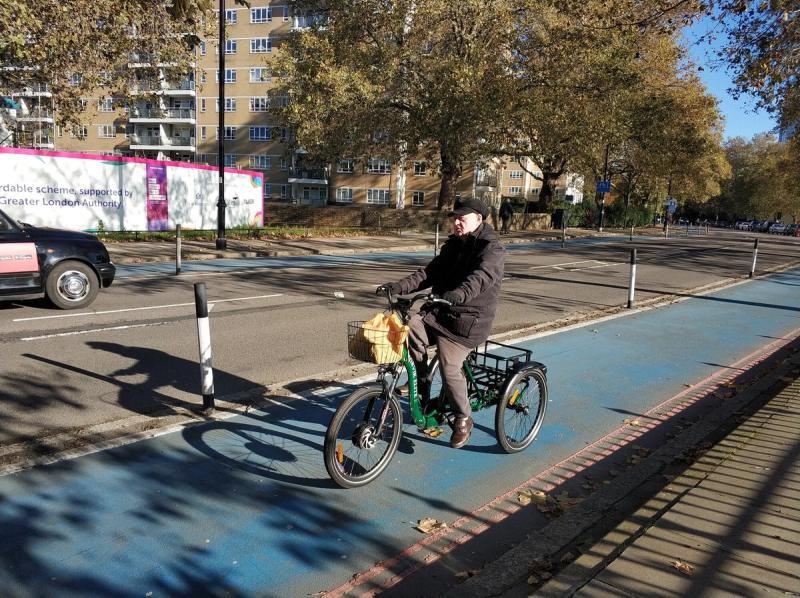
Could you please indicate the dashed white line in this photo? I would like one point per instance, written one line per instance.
(170, 305)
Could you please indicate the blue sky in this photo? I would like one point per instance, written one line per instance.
(741, 117)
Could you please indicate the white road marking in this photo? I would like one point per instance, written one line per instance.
(116, 311)
(566, 266)
(36, 338)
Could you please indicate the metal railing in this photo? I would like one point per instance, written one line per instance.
(164, 113)
(162, 141)
(309, 173)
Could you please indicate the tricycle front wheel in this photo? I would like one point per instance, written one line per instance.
(358, 447)
(521, 409)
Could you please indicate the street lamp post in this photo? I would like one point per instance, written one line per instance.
(221, 205)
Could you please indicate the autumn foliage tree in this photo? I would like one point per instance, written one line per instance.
(79, 46)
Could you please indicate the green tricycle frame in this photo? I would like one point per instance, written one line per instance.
(365, 431)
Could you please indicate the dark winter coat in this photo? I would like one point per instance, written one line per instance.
(506, 210)
(474, 265)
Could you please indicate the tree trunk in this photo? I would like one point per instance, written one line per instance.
(546, 194)
(451, 170)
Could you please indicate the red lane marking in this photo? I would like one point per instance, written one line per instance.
(585, 454)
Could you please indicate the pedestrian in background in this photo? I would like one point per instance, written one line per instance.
(506, 212)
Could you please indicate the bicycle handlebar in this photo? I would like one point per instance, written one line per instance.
(404, 304)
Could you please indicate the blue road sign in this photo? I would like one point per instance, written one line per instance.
(603, 186)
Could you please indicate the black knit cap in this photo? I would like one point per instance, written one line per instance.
(468, 206)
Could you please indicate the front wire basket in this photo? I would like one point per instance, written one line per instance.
(372, 345)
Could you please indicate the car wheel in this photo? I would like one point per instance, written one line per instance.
(72, 285)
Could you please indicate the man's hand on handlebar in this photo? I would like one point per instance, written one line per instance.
(389, 288)
(456, 296)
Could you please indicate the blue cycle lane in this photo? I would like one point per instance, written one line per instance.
(243, 506)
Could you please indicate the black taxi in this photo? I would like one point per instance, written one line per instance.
(68, 267)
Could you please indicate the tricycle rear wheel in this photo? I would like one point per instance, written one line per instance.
(521, 409)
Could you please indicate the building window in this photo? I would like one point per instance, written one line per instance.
(378, 166)
(260, 45)
(203, 77)
(230, 76)
(514, 190)
(80, 131)
(259, 104)
(230, 46)
(345, 166)
(202, 104)
(230, 133)
(260, 75)
(230, 160)
(535, 190)
(261, 15)
(202, 48)
(418, 198)
(230, 17)
(259, 134)
(106, 131)
(106, 105)
(285, 14)
(379, 196)
(202, 133)
(284, 191)
(344, 195)
(420, 168)
(267, 190)
(76, 79)
(284, 134)
(284, 164)
(515, 174)
(230, 104)
(260, 162)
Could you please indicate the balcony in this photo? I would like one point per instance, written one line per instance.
(486, 180)
(169, 88)
(155, 142)
(38, 90)
(163, 115)
(38, 115)
(309, 176)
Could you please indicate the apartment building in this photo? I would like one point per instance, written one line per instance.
(178, 119)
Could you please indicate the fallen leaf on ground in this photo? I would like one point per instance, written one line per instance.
(429, 524)
(534, 580)
(466, 574)
(684, 568)
(525, 497)
(433, 432)
(632, 422)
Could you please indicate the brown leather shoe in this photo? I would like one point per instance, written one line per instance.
(462, 428)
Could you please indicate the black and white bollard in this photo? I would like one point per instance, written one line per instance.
(177, 249)
(563, 235)
(436, 241)
(204, 340)
(633, 278)
(755, 254)
(631, 238)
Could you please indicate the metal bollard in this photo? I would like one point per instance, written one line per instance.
(633, 278)
(436, 241)
(666, 231)
(631, 239)
(177, 249)
(755, 254)
(563, 236)
(204, 341)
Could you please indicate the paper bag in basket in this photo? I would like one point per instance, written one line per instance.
(380, 339)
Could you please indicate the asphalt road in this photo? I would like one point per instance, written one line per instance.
(243, 507)
(278, 324)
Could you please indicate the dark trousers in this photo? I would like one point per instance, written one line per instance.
(451, 357)
(506, 221)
